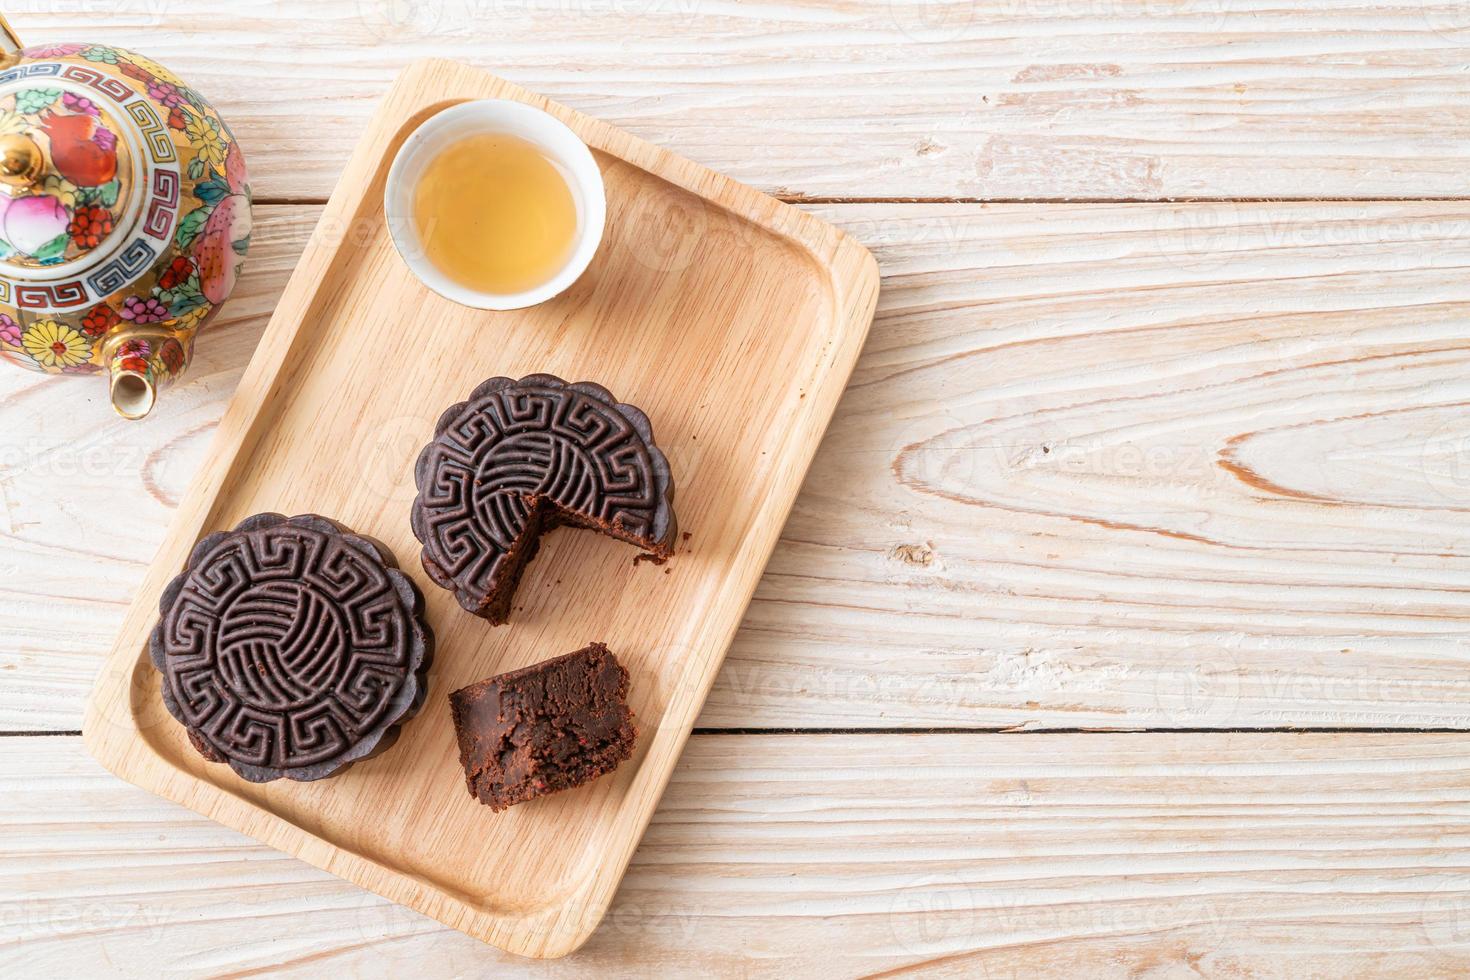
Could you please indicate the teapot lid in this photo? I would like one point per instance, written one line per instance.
(81, 154)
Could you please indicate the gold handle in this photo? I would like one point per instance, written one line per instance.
(9, 42)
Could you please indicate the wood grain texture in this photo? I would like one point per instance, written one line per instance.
(1121, 466)
(997, 856)
(992, 99)
(1060, 524)
(1173, 466)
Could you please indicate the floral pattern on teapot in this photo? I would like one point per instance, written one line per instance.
(75, 209)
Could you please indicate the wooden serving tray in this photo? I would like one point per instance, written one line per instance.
(732, 319)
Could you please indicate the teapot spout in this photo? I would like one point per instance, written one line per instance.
(133, 393)
(132, 373)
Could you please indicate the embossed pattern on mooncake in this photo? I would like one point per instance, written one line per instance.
(519, 458)
(290, 648)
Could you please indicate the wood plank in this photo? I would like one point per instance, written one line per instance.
(1100, 466)
(991, 855)
(1123, 466)
(992, 99)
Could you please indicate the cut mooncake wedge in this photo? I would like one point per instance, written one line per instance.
(519, 458)
(544, 728)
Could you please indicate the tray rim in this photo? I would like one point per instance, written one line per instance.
(850, 271)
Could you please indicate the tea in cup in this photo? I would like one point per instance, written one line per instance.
(495, 204)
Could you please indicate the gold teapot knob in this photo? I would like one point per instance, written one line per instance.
(21, 161)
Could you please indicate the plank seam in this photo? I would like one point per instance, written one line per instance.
(996, 730)
(1003, 730)
(42, 734)
(801, 199)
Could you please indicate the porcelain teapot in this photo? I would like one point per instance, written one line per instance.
(124, 216)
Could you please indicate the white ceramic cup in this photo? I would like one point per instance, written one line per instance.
(561, 146)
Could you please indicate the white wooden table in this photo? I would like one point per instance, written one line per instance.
(1121, 627)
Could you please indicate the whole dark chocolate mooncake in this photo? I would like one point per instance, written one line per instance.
(291, 648)
(519, 458)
